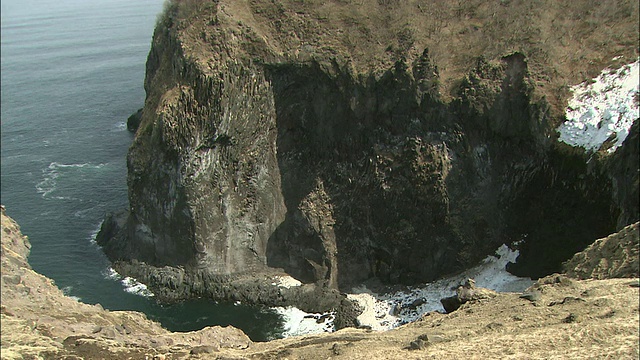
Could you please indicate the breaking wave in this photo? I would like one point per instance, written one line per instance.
(67, 292)
(119, 126)
(52, 173)
(390, 310)
(297, 322)
(130, 285)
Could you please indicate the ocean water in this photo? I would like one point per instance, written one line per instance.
(72, 72)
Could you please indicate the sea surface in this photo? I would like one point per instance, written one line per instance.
(72, 72)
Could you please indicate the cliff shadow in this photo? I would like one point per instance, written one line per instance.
(338, 140)
(381, 179)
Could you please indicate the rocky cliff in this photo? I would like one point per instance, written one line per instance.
(615, 256)
(344, 140)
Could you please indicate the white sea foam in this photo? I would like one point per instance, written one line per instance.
(120, 126)
(51, 174)
(82, 212)
(298, 322)
(48, 184)
(131, 285)
(387, 311)
(112, 274)
(602, 109)
(94, 234)
(67, 292)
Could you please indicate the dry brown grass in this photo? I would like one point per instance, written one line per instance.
(604, 325)
(565, 42)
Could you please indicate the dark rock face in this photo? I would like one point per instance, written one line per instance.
(624, 173)
(134, 121)
(172, 284)
(382, 179)
(569, 183)
(337, 176)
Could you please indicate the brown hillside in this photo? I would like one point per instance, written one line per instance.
(565, 42)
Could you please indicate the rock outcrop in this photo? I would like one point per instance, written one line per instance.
(616, 256)
(134, 121)
(344, 141)
(465, 293)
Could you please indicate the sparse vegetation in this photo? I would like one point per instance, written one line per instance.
(564, 42)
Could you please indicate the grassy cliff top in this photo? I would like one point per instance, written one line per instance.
(565, 42)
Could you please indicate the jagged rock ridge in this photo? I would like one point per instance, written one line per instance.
(615, 256)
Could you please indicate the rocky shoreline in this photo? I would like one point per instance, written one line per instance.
(288, 151)
(39, 321)
(258, 287)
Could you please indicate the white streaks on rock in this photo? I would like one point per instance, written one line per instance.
(285, 281)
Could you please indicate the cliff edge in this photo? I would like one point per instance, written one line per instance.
(615, 256)
(39, 321)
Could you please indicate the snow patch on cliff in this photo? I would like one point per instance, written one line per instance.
(602, 110)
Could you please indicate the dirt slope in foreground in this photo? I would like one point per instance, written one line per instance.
(566, 319)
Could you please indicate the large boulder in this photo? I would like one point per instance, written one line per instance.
(465, 293)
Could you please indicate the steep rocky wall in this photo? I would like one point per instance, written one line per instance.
(251, 156)
(382, 179)
(625, 177)
(203, 177)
